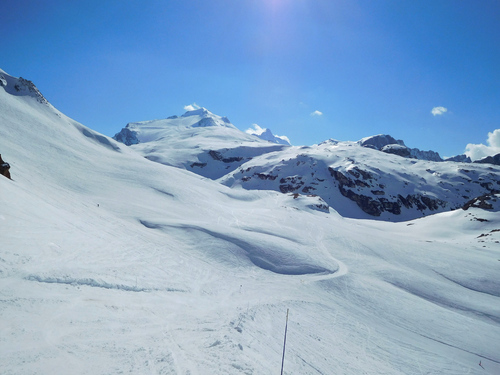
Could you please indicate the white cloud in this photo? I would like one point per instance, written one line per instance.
(191, 107)
(266, 134)
(439, 110)
(257, 130)
(283, 137)
(479, 151)
(317, 113)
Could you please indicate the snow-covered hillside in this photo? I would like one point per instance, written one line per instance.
(110, 263)
(361, 182)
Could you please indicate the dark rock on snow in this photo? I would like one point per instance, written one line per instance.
(4, 168)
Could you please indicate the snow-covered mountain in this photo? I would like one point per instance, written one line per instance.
(388, 144)
(362, 182)
(354, 178)
(460, 159)
(495, 160)
(198, 141)
(267, 135)
(110, 263)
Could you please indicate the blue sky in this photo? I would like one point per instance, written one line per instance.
(308, 69)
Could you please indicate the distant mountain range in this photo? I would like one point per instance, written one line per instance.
(375, 177)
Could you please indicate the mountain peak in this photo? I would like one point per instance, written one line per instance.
(198, 112)
(386, 143)
(379, 141)
(267, 135)
(20, 87)
(207, 118)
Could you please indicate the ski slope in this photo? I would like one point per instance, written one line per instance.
(111, 263)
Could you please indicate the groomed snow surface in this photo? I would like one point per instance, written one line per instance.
(113, 264)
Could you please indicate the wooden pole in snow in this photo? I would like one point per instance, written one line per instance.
(284, 343)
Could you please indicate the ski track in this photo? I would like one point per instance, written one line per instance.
(96, 284)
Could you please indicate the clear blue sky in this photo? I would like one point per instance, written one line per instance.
(368, 67)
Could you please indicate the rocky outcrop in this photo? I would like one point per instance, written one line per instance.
(413, 153)
(430, 155)
(21, 87)
(291, 183)
(375, 205)
(377, 142)
(205, 122)
(486, 202)
(4, 168)
(24, 86)
(459, 159)
(495, 160)
(399, 150)
(390, 145)
(127, 137)
(216, 155)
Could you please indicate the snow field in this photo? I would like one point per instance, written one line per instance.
(112, 264)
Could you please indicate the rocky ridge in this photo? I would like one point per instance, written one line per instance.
(495, 160)
(21, 87)
(390, 145)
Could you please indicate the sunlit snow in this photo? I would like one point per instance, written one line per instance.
(111, 263)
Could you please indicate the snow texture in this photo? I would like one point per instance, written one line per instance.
(111, 263)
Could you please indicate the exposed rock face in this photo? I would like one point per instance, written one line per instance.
(27, 87)
(460, 159)
(127, 137)
(290, 184)
(205, 122)
(390, 145)
(400, 150)
(495, 160)
(4, 168)
(21, 87)
(485, 202)
(379, 141)
(375, 206)
(216, 155)
(416, 153)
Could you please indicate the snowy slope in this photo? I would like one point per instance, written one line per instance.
(198, 141)
(361, 182)
(111, 264)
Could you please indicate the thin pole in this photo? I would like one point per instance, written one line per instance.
(284, 343)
